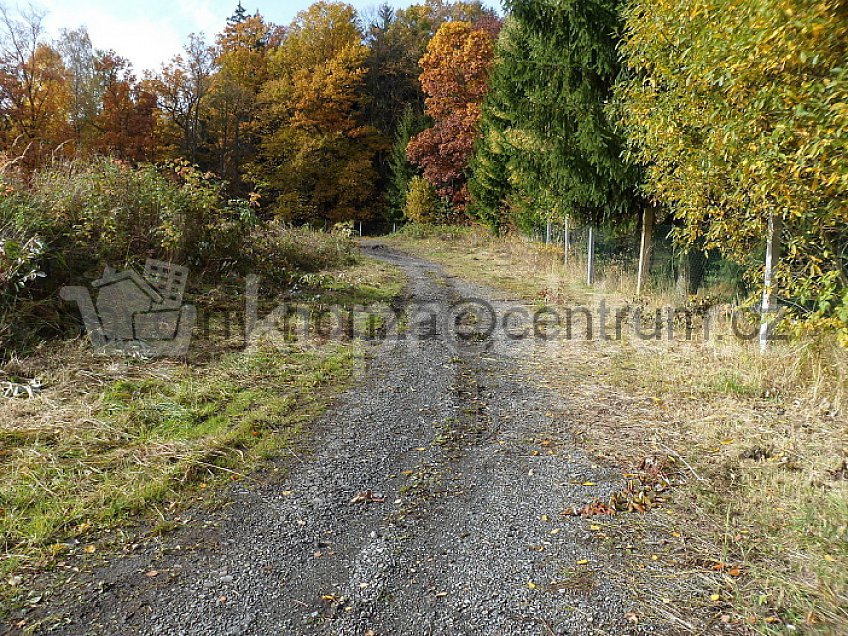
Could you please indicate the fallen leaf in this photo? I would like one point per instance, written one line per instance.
(531, 585)
(89, 549)
(714, 597)
(367, 496)
(151, 574)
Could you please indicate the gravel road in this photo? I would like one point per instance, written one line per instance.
(473, 468)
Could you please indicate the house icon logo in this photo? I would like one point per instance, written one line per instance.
(139, 315)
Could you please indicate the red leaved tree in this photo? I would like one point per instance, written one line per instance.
(455, 69)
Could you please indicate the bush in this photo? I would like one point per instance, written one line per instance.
(107, 212)
(75, 218)
(277, 251)
(422, 205)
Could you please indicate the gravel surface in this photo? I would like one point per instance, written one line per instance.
(473, 468)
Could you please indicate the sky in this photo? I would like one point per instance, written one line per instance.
(149, 32)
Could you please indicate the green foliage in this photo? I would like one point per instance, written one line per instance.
(737, 108)
(73, 219)
(422, 204)
(489, 181)
(401, 171)
(548, 147)
(107, 212)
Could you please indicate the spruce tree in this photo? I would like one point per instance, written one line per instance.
(401, 171)
(489, 181)
(557, 64)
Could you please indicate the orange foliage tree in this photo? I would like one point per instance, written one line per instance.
(126, 122)
(455, 69)
(34, 95)
(316, 155)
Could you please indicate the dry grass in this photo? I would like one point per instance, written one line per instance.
(760, 441)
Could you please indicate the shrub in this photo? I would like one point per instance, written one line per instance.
(277, 251)
(422, 205)
(109, 212)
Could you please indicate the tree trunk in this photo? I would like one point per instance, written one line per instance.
(690, 272)
(566, 240)
(646, 248)
(548, 233)
(590, 257)
(769, 304)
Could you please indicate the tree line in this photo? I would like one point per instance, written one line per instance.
(301, 115)
(725, 118)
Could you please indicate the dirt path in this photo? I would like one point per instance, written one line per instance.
(474, 466)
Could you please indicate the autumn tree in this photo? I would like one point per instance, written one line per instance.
(242, 58)
(740, 119)
(455, 70)
(34, 95)
(316, 156)
(397, 41)
(85, 88)
(182, 88)
(126, 122)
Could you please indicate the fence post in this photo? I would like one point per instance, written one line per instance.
(566, 240)
(548, 229)
(590, 257)
(646, 248)
(769, 304)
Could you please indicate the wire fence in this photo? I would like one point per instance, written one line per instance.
(672, 271)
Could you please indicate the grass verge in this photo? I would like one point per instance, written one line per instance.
(111, 440)
(760, 443)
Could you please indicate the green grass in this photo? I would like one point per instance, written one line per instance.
(152, 437)
(110, 441)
